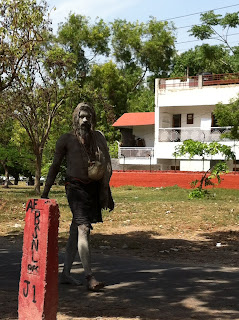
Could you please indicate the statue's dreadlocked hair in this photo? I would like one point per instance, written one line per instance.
(75, 118)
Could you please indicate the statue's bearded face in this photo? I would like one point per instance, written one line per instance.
(84, 124)
(83, 121)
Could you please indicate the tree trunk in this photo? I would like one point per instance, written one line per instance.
(38, 173)
(7, 181)
(30, 180)
(16, 179)
(203, 179)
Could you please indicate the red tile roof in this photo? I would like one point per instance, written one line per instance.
(135, 119)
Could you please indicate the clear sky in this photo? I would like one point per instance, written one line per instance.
(184, 13)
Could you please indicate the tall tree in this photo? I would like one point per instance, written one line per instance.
(6, 148)
(15, 157)
(22, 27)
(205, 58)
(149, 46)
(228, 115)
(142, 101)
(35, 101)
(210, 24)
(85, 40)
(134, 49)
(88, 43)
(110, 85)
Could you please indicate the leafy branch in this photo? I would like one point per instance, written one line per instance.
(200, 149)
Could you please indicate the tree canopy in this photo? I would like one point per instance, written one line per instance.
(218, 59)
(228, 115)
(205, 58)
(149, 46)
(23, 24)
(211, 22)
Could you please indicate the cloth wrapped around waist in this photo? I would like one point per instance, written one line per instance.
(84, 201)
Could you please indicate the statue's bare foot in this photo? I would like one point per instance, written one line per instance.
(93, 284)
(68, 279)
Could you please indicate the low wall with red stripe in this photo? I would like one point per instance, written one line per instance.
(167, 179)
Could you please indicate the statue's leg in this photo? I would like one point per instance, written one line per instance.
(84, 248)
(71, 250)
(85, 256)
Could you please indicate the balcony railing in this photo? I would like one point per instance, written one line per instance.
(226, 78)
(194, 133)
(206, 80)
(136, 152)
(183, 82)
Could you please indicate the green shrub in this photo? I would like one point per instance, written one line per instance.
(198, 193)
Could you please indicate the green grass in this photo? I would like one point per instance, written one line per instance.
(165, 210)
(148, 222)
(142, 194)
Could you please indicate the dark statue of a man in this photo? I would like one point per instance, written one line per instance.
(87, 187)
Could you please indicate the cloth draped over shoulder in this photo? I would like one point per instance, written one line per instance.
(106, 161)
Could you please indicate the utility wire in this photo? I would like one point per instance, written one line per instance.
(193, 14)
(184, 27)
(213, 38)
(198, 24)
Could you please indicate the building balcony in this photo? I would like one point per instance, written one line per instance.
(136, 152)
(136, 156)
(198, 81)
(195, 133)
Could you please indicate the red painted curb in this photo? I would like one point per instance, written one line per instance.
(156, 179)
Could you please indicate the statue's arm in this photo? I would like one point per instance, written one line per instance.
(60, 152)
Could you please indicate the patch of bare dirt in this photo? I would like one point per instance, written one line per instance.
(217, 247)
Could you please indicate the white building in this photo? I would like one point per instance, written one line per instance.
(183, 110)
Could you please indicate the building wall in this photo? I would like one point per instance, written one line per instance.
(194, 165)
(199, 101)
(165, 150)
(140, 161)
(146, 133)
(209, 95)
(200, 112)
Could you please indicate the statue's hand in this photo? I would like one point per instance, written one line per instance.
(111, 204)
(104, 200)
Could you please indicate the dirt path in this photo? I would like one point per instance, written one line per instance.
(148, 288)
